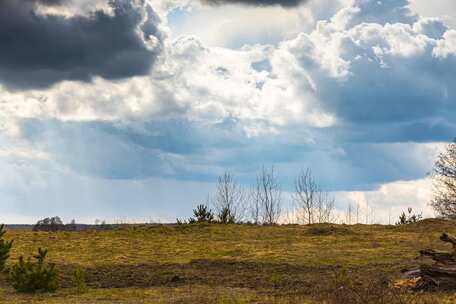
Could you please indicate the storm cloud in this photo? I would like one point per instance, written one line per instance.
(284, 3)
(40, 49)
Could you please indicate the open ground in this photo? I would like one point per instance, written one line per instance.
(213, 263)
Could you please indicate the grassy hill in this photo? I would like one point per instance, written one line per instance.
(227, 263)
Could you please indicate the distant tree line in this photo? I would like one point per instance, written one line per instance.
(54, 224)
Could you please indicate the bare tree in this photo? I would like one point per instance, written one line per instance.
(313, 204)
(349, 213)
(255, 205)
(229, 200)
(325, 207)
(357, 213)
(305, 196)
(444, 176)
(266, 198)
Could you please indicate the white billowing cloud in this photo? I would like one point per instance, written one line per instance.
(101, 99)
(385, 204)
(369, 11)
(192, 82)
(164, 7)
(233, 26)
(447, 46)
(375, 67)
(238, 89)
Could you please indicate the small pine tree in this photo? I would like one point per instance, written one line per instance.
(225, 216)
(409, 218)
(5, 248)
(32, 276)
(202, 214)
(402, 219)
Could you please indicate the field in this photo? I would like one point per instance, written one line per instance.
(227, 263)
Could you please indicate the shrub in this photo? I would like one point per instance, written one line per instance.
(5, 248)
(409, 218)
(202, 214)
(32, 276)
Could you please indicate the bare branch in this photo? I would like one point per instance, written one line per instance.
(229, 200)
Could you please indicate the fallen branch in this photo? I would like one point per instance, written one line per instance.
(439, 256)
(449, 239)
(437, 277)
(442, 274)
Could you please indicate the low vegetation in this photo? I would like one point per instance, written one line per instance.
(214, 263)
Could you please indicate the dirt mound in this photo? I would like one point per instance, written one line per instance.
(326, 229)
(233, 274)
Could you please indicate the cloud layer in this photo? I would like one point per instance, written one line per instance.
(363, 97)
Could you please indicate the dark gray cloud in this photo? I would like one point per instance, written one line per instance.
(284, 3)
(39, 50)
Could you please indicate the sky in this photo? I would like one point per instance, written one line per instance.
(129, 110)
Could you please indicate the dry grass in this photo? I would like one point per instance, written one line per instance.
(225, 263)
